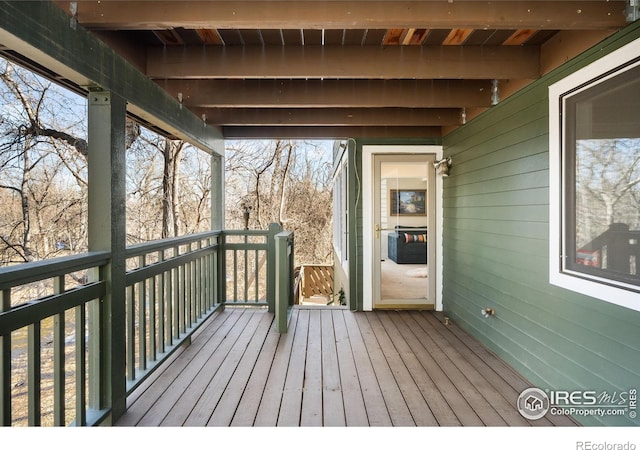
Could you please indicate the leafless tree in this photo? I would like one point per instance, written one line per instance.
(287, 182)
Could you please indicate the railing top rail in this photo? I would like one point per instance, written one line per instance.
(161, 244)
(245, 232)
(285, 234)
(20, 274)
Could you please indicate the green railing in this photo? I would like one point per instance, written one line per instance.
(54, 357)
(57, 350)
(171, 290)
(248, 265)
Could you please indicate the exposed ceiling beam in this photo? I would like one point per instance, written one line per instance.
(233, 132)
(551, 15)
(330, 116)
(344, 62)
(330, 93)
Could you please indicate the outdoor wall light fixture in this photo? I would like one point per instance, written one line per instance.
(443, 166)
(487, 312)
(495, 93)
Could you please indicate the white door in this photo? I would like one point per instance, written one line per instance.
(403, 217)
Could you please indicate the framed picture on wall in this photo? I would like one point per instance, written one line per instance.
(408, 202)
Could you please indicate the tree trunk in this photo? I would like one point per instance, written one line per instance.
(170, 178)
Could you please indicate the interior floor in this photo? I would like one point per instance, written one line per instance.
(403, 284)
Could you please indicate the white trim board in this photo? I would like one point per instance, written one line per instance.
(367, 220)
(623, 295)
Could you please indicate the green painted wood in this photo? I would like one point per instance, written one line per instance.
(24, 315)
(162, 333)
(131, 333)
(168, 307)
(162, 245)
(235, 275)
(5, 364)
(182, 303)
(81, 363)
(153, 318)
(164, 265)
(107, 232)
(221, 275)
(59, 370)
(274, 229)
(284, 280)
(20, 274)
(245, 274)
(496, 238)
(142, 321)
(34, 374)
(256, 269)
(175, 297)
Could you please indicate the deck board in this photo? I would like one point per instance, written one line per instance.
(332, 396)
(333, 368)
(418, 407)
(351, 385)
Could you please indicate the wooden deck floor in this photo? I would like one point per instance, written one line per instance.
(333, 368)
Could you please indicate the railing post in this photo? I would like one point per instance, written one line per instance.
(221, 273)
(5, 365)
(107, 197)
(284, 279)
(274, 229)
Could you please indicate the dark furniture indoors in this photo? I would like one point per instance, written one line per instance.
(408, 245)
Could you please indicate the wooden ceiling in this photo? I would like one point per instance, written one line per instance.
(345, 68)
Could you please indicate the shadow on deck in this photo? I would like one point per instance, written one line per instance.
(333, 368)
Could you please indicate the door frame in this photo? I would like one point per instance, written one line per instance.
(368, 238)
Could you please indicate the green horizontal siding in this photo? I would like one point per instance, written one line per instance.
(495, 243)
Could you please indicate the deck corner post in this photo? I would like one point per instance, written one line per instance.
(274, 229)
(107, 232)
(284, 280)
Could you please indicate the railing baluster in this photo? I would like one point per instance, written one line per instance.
(34, 373)
(176, 298)
(182, 292)
(5, 364)
(142, 318)
(131, 334)
(59, 359)
(193, 293)
(81, 365)
(184, 295)
(188, 269)
(245, 271)
(197, 267)
(221, 272)
(161, 309)
(256, 276)
(153, 354)
(235, 275)
(169, 306)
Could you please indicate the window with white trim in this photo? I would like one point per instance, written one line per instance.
(595, 179)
